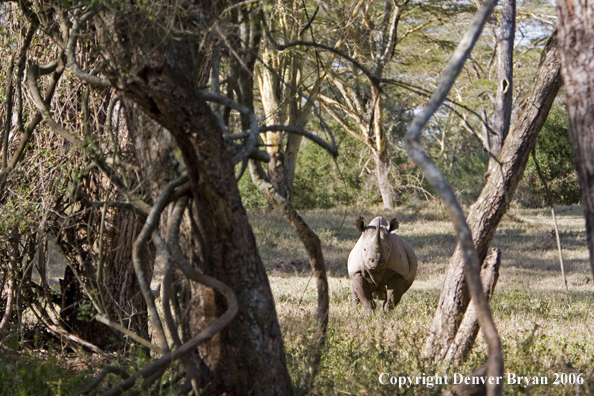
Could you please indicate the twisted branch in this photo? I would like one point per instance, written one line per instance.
(152, 224)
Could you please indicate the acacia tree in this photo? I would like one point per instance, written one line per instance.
(488, 210)
(576, 37)
(282, 76)
(370, 42)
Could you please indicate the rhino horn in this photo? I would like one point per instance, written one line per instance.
(378, 243)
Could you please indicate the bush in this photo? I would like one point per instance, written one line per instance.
(555, 157)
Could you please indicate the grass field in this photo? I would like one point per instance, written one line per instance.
(544, 329)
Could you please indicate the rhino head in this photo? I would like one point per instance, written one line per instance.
(375, 239)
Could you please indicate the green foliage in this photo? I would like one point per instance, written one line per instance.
(250, 196)
(323, 183)
(555, 157)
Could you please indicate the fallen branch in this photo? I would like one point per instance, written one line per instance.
(58, 331)
(129, 333)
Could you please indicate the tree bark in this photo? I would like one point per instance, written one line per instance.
(247, 357)
(469, 327)
(487, 211)
(576, 36)
(119, 279)
(312, 244)
(503, 101)
(382, 172)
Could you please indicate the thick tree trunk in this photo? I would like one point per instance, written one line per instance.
(576, 37)
(248, 356)
(119, 277)
(492, 204)
(312, 244)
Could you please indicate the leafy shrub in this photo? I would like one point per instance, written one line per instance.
(555, 157)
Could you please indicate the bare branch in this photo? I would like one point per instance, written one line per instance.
(32, 75)
(70, 48)
(131, 334)
(388, 50)
(253, 136)
(372, 78)
(438, 181)
(349, 109)
(333, 150)
(88, 145)
(346, 126)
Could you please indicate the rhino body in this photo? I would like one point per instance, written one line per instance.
(382, 265)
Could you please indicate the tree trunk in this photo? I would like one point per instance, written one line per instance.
(120, 279)
(492, 204)
(312, 244)
(576, 37)
(503, 101)
(382, 172)
(469, 327)
(277, 170)
(247, 357)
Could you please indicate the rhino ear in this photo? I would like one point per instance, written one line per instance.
(360, 224)
(393, 225)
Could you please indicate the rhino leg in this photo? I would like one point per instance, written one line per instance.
(397, 286)
(362, 292)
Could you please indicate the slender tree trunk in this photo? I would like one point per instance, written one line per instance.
(312, 244)
(382, 172)
(380, 155)
(469, 327)
(487, 211)
(503, 101)
(576, 36)
(278, 172)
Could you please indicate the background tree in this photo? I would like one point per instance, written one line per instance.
(369, 37)
(281, 77)
(576, 38)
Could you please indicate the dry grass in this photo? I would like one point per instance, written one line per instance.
(544, 329)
